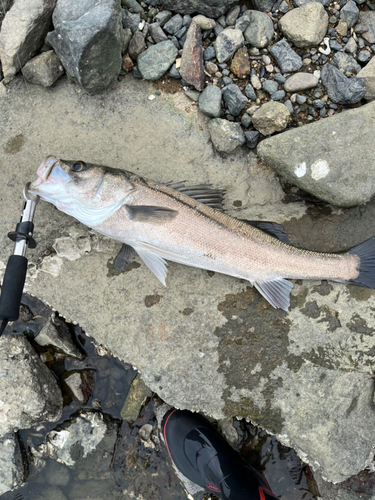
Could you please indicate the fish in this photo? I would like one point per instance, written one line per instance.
(187, 225)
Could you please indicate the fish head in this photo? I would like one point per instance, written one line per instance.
(88, 192)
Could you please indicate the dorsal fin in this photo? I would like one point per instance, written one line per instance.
(203, 193)
(271, 228)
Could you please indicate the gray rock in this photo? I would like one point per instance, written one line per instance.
(301, 99)
(226, 136)
(351, 46)
(210, 101)
(227, 43)
(242, 23)
(56, 474)
(43, 69)
(173, 25)
(250, 92)
(252, 138)
(13, 470)
(367, 19)
(126, 36)
(163, 17)
(300, 81)
(137, 45)
(305, 26)
(246, 120)
(130, 21)
(260, 31)
(264, 5)
(287, 59)
(318, 103)
(284, 7)
(156, 60)
(28, 390)
(193, 95)
(55, 333)
(79, 385)
(299, 3)
(340, 89)
(204, 22)
(278, 96)
(209, 8)
(186, 20)
(271, 117)
(280, 78)
(364, 56)
(289, 105)
(94, 67)
(270, 86)
(368, 75)
(22, 33)
(157, 33)
(232, 15)
(209, 53)
(335, 45)
(328, 173)
(234, 99)
(133, 6)
(192, 67)
(345, 63)
(174, 72)
(349, 13)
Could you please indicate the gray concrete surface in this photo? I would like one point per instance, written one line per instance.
(205, 342)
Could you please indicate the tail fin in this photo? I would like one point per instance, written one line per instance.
(366, 253)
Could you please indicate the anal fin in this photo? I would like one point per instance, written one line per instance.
(153, 261)
(277, 292)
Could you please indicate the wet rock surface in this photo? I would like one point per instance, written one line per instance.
(13, 467)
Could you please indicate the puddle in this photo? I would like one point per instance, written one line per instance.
(123, 465)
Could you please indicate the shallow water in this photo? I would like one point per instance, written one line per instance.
(124, 466)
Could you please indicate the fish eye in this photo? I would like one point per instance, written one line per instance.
(78, 166)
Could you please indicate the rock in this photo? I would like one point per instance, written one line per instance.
(137, 45)
(145, 432)
(174, 72)
(287, 60)
(80, 385)
(252, 138)
(255, 82)
(156, 60)
(278, 95)
(300, 81)
(192, 68)
(56, 334)
(345, 63)
(270, 86)
(28, 390)
(44, 69)
(246, 120)
(264, 5)
(367, 19)
(13, 469)
(157, 33)
(173, 25)
(163, 17)
(340, 89)
(364, 56)
(22, 33)
(132, 5)
(260, 31)
(193, 95)
(234, 99)
(240, 65)
(356, 487)
(271, 117)
(328, 172)
(242, 23)
(351, 46)
(93, 66)
(126, 36)
(227, 43)
(305, 26)
(127, 63)
(250, 92)
(210, 101)
(57, 474)
(130, 21)
(211, 67)
(232, 15)
(349, 13)
(204, 22)
(368, 75)
(209, 8)
(299, 3)
(226, 136)
(138, 394)
(209, 53)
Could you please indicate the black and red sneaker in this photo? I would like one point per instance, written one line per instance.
(203, 456)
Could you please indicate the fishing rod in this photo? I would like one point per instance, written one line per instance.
(15, 272)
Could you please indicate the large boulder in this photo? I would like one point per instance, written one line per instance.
(209, 8)
(22, 33)
(343, 176)
(87, 40)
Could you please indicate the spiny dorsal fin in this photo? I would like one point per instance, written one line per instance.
(203, 193)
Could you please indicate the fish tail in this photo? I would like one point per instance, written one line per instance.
(366, 253)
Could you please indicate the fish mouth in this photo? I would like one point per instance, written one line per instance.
(50, 164)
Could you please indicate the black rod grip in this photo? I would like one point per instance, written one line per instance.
(11, 291)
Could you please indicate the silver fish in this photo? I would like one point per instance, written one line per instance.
(185, 225)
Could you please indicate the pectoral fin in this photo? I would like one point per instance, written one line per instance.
(276, 292)
(149, 213)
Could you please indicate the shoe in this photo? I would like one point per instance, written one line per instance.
(203, 456)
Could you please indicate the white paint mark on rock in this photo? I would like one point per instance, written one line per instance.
(333, 133)
(300, 171)
(319, 169)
